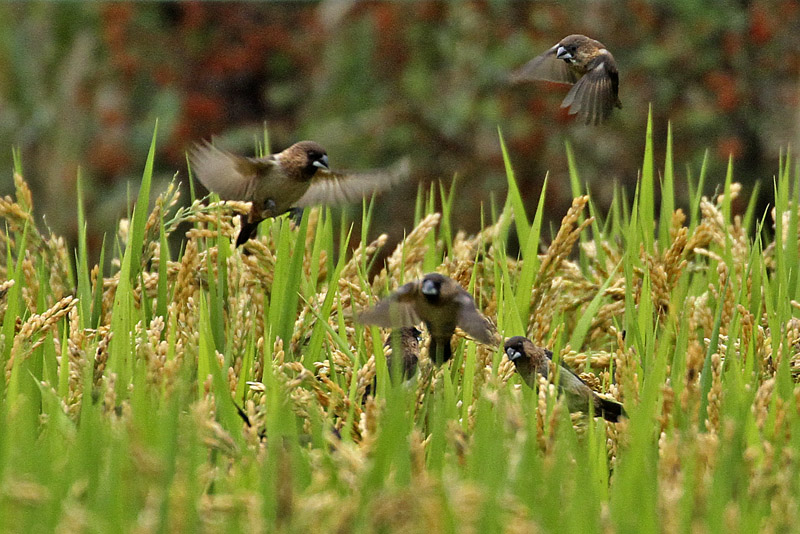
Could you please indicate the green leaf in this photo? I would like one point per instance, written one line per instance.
(140, 211)
(646, 191)
(514, 196)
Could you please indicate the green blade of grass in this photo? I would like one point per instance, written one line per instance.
(139, 219)
(582, 327)
(530, 265)
(97, 297)
(225, 409)
(647, 191)
(667, 195)
(514, 196)
(82, 261)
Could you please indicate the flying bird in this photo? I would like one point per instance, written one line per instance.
(587, 64)
(531, 360)
(284, 182)
(441, 304)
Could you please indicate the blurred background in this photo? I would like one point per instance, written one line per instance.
(82, 84)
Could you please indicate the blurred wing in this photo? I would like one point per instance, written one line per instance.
(593, 97)
(471, 321)
(395, 310)
(545, 67)
(232, 177)
(330, 187)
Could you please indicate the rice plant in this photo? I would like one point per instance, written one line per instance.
(216, 389)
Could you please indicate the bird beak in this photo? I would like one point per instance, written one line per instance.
(429, 288)
(562, 53)
(322, 163)
(513, 354)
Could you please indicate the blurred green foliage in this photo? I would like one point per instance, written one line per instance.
(372, 81)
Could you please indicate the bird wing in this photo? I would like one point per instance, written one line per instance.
(395, 310)
(593, 97)
(471, 321)
(545, 67)
(331, 187)
(568, 378)
(232, 177)
(542, 365)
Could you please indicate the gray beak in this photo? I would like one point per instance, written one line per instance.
(513, 354)
(322, 163)
(562, 53)
(429, 288)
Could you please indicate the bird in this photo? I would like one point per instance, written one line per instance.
(438, 301)
(408, 343)
(288, 181)
(531, 360)
(587, 64)
(405, 339)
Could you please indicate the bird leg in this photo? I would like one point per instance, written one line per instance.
(259, 213)
(296, 215)
(269, 209)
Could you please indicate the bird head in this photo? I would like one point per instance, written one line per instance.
(311, 156)
(515, 348)
(567, 53)
(431, 286)
(568, 48)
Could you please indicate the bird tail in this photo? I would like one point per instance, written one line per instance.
(439, 350)
(608, 409)
(249, 230)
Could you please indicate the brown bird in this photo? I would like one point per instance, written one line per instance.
(441, 304)
(408, 343)
(405, 339)
(284, 182)
(582, 61)
(531, 360)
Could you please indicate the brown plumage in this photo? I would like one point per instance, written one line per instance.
(441, 304)
(408, 343)
(406, 340)
(588, 65)
(531, 361)
(284, 182)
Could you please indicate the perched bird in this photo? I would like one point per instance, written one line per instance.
(406, 339)
(408, 343)
(531, 360)
(441, 304)
(586, 63)
(285, 182)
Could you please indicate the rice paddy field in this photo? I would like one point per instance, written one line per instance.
(210, 389)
